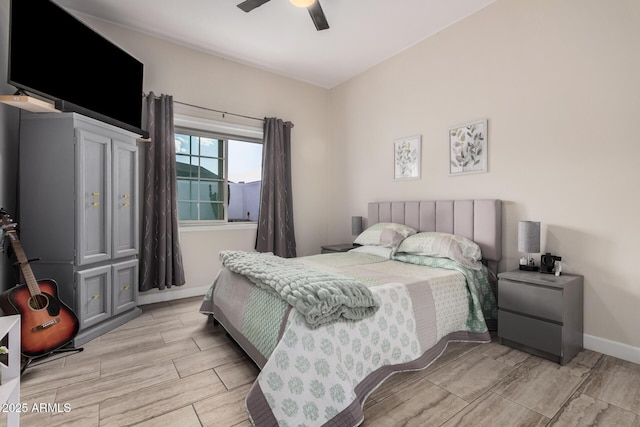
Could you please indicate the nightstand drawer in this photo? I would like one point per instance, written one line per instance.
(530, 299)
(531, 332)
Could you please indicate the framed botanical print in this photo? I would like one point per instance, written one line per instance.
(468, 148)
(407, 155)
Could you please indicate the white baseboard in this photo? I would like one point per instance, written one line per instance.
(154, 296)
(612, 348)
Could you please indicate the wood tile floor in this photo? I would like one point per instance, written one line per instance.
(172, 367)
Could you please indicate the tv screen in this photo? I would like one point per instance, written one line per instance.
(56, 56)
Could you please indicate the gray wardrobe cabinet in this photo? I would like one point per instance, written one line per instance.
(79, 215)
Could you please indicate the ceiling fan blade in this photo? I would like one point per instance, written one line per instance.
(249, 5)
(317, 15)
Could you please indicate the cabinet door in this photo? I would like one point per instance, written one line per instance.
(125, 286)
(93, 189)
(94, 295)
(125, 199)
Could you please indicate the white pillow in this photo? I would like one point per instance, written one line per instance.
(443, 245)
(386, 234)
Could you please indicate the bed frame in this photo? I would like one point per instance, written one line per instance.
(477, 220)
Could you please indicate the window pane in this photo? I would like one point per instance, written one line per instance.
(211, 147)
(195, 145)
(211, 211)
(183, 167)
(187, 211)
(244, 174)
(245, 161)
(211, 191)
(244, 201)
(211, 168)
(187, 189)
(182, 143)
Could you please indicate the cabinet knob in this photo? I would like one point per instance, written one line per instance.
(126, 196)
(126, 204)
(95, 297)
(95, 204)
(95, 194)
(126, 287)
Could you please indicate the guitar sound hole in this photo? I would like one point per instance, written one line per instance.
(38, 302)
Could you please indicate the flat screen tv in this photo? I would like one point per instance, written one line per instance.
(56, 56)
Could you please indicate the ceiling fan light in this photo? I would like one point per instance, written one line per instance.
(302, 3)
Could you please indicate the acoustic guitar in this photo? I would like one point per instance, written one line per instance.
(46, 322)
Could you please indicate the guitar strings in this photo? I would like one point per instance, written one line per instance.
(26, 271)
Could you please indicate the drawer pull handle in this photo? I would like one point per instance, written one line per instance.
(126, 287)
(125, 205)
(95, 194)
(95, 297)
(126, 196)
(96, 204)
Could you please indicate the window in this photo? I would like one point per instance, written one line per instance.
(219, 176)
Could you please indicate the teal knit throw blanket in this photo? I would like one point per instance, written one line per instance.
(320, 296)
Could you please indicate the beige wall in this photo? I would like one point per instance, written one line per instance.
(559, 83)
(200, 79)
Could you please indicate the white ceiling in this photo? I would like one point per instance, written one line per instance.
(281, 38)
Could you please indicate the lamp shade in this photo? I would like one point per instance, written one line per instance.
(302, 3)
(356, 225)
(529, 236)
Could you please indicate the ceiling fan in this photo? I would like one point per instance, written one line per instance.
(313, 6)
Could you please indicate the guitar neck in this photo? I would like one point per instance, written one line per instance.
(29, 278)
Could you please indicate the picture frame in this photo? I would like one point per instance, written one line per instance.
(468, 144)
(407, 155)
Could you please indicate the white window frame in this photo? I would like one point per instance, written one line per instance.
(226, 131)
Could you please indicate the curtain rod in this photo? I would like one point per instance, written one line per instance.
(219, 111)
(214, 110)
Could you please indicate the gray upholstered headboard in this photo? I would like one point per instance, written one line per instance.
(477, 220)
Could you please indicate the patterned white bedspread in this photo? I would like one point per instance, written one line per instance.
(323, 375)
(312, 377)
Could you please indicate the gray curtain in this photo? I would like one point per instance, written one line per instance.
(275, 218)
(160, 257)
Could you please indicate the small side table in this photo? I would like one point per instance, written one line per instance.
(345, 247)
(541, 314)
(10, 383)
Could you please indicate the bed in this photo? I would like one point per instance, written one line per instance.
(326, 330)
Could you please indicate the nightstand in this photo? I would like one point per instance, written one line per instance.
(345, 247)
(541, 313)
